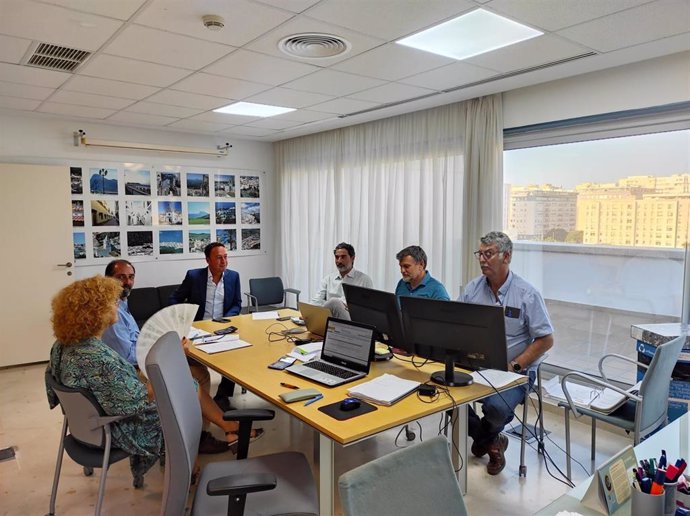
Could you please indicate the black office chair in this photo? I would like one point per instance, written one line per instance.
(89, 440)
(143, 303)
(164, 294)
(265, 293)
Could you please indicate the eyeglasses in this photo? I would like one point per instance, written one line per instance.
(486, 254)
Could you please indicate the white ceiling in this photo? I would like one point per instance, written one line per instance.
(154, 64)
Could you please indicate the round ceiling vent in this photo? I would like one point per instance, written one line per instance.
(313, 45)
(213, 22)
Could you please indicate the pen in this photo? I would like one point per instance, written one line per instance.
(289, 386)
(315, 398)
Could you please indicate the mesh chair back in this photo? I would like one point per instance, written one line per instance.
(143, 303)
(267, 291)
(652, 411)
(180, 415)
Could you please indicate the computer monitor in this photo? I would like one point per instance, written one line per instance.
(380, 310)
(467, 334)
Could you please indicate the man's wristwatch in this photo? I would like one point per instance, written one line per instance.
(516, 367)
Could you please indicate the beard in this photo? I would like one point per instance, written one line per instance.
(125, 292)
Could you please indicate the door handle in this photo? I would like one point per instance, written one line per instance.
(68, 264)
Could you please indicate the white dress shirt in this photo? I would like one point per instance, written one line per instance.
(215, 294)
(332, 285)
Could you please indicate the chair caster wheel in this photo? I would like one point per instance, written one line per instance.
(88, 471)
(523, 471)
(138, 482)
(410, 436)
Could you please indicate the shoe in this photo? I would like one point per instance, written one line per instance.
(209, 444)
(224, 403)
(478, 449)
(258, 433)
(497, 458)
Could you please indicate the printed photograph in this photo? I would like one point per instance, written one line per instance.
(225, 186)
(75, 180)
(79, 240)
(138, 213)
(169, 183)
(170, 213)
(251, 212)
(137, 182)
(106, 245)
(227, 237)
(251, 239)
(249, 186)
(225, 213)
(170, 242)
(103, 181)
(197, 185)
(198, 213)
(198, 239)
(104, 213)
(140, 243)
(77, 213)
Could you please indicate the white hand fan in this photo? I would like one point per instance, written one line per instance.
(177, 318)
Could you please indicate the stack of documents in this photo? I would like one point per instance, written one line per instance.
(307, 352)
(211, 343)
(265, 316)
(384, 390)
(495, 378)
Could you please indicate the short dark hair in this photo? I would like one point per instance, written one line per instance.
(210, 247)
(343, 245)
(416, 252)
(110, 268)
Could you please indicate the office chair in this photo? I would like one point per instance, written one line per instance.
(143, 303)
(280, 483)
(265, 293)
(89, 440)
(416, 480)
(164, 293)
(643, 412)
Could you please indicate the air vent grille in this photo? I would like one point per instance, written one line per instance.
(59, 58)
(313, 45)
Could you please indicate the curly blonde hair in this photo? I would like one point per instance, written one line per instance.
(84, 309)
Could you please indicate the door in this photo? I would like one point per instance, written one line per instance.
(36, 231)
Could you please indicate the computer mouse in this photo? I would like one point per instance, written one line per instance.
(350, 404)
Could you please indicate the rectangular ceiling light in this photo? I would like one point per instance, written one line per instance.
(469, 35)
(249, 109)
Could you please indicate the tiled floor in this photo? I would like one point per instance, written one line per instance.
(31, 428)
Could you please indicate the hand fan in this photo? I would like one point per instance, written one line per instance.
(177, 318)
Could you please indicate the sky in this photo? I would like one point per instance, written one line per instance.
(599, 161)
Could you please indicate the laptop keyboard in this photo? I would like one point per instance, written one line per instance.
(330, 369)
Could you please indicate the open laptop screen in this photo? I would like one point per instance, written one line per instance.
(348, 342)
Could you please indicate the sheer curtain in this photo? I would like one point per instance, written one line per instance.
(380, 186)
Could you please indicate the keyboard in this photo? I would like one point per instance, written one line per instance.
(330, 369)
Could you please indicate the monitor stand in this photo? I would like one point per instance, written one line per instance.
(450, 377)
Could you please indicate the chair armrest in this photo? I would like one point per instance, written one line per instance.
(235, 485)
(293, 291)
(106, 420)
(249, 415)
(595, 381)
(621, 357)
(251, 300)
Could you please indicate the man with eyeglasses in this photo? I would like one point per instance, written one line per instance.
(529, 334)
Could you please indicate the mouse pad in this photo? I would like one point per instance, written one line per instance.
(334, 411)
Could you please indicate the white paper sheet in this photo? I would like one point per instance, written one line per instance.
(223, 345)
(264, 316)
(495, 378)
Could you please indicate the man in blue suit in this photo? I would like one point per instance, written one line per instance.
(216, 299)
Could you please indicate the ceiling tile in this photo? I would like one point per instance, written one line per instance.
(449, 76)
(224, 118)
(109, 87)
(198, 125)
(343, 106)
(13, 89)
(192, 100)
(141, 119)
(392, 62)
(284, 97)
(151, 108)
(32, 76)
(244, 21)
(248, 131)
(17, 103)
(639, 25)
(56, 25)
(391, 92)
(87, 99)
(303, 115)
(388, 19)
(332, 82)
(219, 86)
(271, 123)
(71, 110)
(252, 66)
(130, 70)
(120, 9)
(161, 47)
(13, 49)
(268, 43)
(295, 6)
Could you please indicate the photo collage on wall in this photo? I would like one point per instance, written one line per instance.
(134, 210)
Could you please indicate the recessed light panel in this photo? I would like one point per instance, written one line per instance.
(469, 35)
(250, 109)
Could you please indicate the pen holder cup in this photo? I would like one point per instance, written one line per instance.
(670, 489)
(644, 504)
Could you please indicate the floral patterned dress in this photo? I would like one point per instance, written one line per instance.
(94, 366)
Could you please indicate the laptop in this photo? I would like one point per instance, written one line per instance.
(315, 318)
(348, 349)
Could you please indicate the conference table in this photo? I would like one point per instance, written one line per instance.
(248, 367)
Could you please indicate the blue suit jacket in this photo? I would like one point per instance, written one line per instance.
(193, 290)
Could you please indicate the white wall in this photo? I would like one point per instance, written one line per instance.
(28, 138)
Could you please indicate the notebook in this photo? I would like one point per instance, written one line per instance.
(348, 349)
(315, 318)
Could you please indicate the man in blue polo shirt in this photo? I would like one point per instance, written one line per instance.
(529, 334)
(416, 280)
